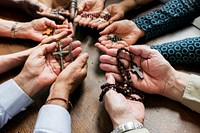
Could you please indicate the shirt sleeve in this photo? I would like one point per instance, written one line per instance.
(172, 15)
(53, 119)
(12, 101)
(185, 51)
(191, 96)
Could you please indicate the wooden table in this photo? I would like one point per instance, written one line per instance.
(89, 116)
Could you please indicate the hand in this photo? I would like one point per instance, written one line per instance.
(34, 29)
(115, 10)
(126, 111)
(41, 68)
(159, 76)
(125, 29)
(69, 79)
(38, 9)
(90, 6)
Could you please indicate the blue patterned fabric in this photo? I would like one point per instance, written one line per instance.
(181, 52)
(172, 15)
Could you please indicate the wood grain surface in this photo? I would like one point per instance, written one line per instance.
(88, 115)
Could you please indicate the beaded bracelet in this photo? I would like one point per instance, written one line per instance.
(58, 98)
(13, 30)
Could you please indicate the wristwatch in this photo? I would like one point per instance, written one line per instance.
(127, 126)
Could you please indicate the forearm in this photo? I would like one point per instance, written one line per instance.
(18, 4)
(180, 52)
(10, 61)
(173, 15)
(19, 29)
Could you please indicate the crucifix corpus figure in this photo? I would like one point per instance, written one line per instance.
(61, 53)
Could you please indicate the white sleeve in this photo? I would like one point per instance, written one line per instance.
(53, 119)
(12, 101)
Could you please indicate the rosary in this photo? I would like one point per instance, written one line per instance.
(126, 88)
(60, 52)
(104, 15)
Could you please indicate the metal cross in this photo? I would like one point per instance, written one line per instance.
(61, 53)
(136, 70)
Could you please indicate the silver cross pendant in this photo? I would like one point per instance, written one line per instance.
(136, 70)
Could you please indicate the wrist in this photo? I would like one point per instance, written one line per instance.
(27, 84)
(127, 127)
(139, 32)
(59, 90)
(21, 30)
(128, 5)
(175, 86)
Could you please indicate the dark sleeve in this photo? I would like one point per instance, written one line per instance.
(172, 15)
(185, 51)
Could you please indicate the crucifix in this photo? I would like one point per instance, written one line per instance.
(61, 53)
(136, 70)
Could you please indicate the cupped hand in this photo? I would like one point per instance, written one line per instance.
(116, 12)
(88, 6)
(38, 9)
(74, 73)
(126, 111)
(155, 69)
(125, 29)
(42, 68)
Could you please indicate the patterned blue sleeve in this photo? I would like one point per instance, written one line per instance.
(185, 51)
(172, 15)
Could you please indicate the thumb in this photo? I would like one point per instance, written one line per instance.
(109, 78)
(108, 30)
(46, 48)
(81, 7)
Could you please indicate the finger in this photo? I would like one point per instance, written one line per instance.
(52, 16)
(101, 47)
(65, 42)
(93, 22)
(75, 53)
(73, 44)
(110, 79)
(106, 42)
(55, 37)
(109, 68)
(81, 6)
(81, 21)
(123, 55)
(50, 23)
(102, 25)
(117, 76)
(103, 38)
(109, 30)
(77, 19)
(114, 18)
(140, 50)
(57, 31)
(87, 21)
(106, 59)
(43, 49)
(81, 60)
